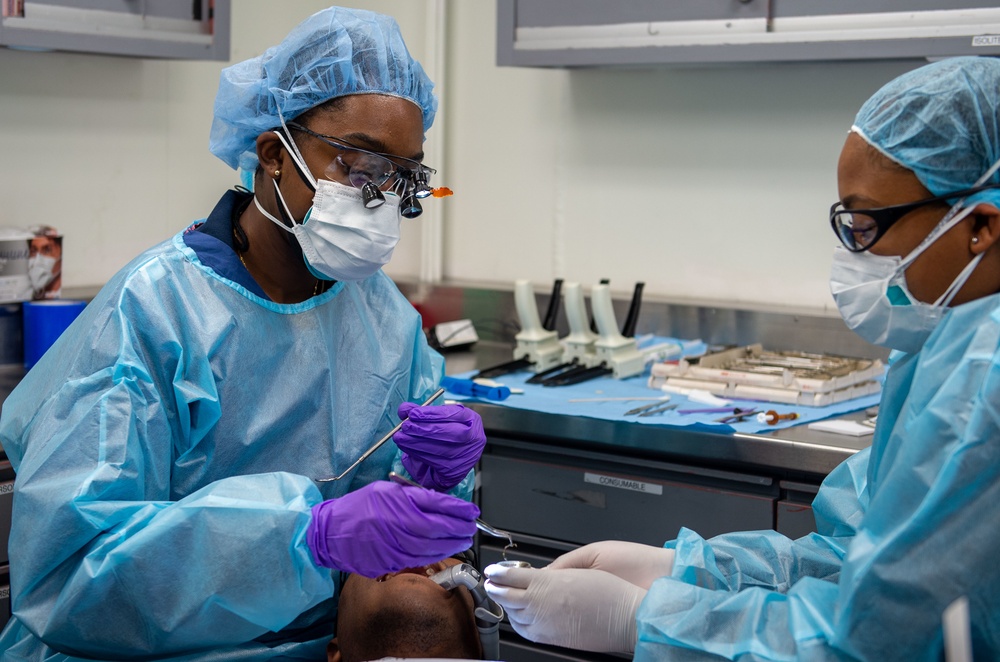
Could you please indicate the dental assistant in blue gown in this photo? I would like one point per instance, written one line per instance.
(166, 446)
(906, 527)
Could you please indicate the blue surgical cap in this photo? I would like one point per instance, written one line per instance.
(942, 121)
(333, 53)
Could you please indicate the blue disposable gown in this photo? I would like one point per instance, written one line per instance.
(905, 528)
(165, 449)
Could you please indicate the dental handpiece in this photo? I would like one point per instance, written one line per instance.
(378, 444)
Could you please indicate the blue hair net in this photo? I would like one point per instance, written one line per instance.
(942, 121)
(333, 53)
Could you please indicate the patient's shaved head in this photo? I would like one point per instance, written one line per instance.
(404, 615)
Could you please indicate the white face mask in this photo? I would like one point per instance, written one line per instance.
(871, 293)
(341, 239)
(41, 271)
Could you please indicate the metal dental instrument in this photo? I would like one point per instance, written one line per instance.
(378, 444)
(514, 564)
(644, 408)
(740, 417)
(658, 410)
(480, 524)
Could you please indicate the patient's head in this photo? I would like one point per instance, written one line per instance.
(404, 614)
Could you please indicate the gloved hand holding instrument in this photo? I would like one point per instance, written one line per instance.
(577, 608)
(586, 598)
(440, 444)
(382, 528)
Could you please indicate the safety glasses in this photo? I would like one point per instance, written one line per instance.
(859, 229)
(362, 168)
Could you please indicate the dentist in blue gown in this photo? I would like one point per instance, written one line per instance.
(166, 446)
(905, 527)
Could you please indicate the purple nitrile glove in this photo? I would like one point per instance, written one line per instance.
(440, 444)
(385, 527)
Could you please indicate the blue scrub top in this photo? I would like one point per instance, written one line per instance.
(904, 528)
(212, 241)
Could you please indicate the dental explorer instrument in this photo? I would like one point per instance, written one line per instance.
(480, 524)
(741, 417)
(378, 444)
(644, 408)
(658, 410)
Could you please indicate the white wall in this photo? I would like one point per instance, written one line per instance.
(709, 183)
(113, 151)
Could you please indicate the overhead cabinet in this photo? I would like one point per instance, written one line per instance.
(589, 33)
(176, 29)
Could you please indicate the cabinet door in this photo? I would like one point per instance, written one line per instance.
(182, 29)
(568, 33)
(6, 504)
(4, 596)
(794, 514)
(515, 649)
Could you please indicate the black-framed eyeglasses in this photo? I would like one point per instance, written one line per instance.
(361, 166)
(859, 229)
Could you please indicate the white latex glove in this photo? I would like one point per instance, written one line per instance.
(587, 610)
(639, 564)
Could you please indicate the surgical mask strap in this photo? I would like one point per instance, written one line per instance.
(950, 220)
(954, 216)
(299, 162)
(949, 294)
(293, 151)
(270, 216)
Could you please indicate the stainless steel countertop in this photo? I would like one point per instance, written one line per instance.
(795, 452)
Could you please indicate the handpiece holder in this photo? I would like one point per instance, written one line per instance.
(611, 348)
(534, 343)
(578, 346)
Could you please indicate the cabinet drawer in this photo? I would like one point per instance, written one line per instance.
(794, 514)
(515, 649)
(586, 504)
(794, 519)
(4, 596)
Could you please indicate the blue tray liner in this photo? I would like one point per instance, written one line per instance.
(557, 400)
